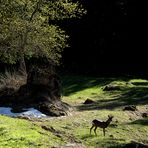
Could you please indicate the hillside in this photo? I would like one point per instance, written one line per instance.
(73, 131)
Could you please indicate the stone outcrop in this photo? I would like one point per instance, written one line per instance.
(42, 91)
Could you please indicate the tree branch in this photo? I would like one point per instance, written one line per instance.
(36, 9)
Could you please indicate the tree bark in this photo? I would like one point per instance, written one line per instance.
(22, 67)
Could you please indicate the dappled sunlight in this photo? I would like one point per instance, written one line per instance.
(77, 89)
(131, 96)
(79, 83)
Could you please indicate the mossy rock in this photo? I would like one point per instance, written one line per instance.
(112, 87)
(89, 101)
(130, 108)
(57, 108)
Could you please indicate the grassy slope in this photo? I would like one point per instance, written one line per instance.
(75, 127)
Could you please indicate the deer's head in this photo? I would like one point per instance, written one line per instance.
(110, 117)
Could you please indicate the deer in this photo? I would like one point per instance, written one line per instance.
(101, 124)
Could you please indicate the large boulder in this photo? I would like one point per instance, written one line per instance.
(42, 91)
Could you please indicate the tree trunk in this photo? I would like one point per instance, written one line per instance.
(22, 67)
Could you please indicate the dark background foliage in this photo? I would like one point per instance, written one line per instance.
(109, 40)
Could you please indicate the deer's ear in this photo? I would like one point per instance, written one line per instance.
(110, 116)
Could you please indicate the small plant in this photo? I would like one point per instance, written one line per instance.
(11, 79)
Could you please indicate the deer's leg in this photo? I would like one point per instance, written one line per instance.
(104, 131)
(95, 130)
(91, 129)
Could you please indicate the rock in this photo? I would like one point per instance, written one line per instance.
(111, 136)
(42, 91)
(144, 115)
(88, 101)
(54, 131)
(57, 108)
(17, 109)
(111, 87)
(24, 117)
(130, 108)
(7, 91)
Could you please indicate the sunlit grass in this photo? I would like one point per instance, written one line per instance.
(126, 125)
(22, 133)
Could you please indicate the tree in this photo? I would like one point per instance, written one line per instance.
(26, 31)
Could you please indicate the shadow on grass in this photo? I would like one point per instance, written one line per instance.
(109, 143)
(141, 121)
(104, 142)
(140, 83)
(130, 96)
(72, 84)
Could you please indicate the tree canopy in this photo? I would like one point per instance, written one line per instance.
(26, 31)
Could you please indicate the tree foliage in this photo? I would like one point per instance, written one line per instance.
(26, 31)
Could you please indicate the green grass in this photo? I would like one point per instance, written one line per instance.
(126, 125)
(22, 133)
